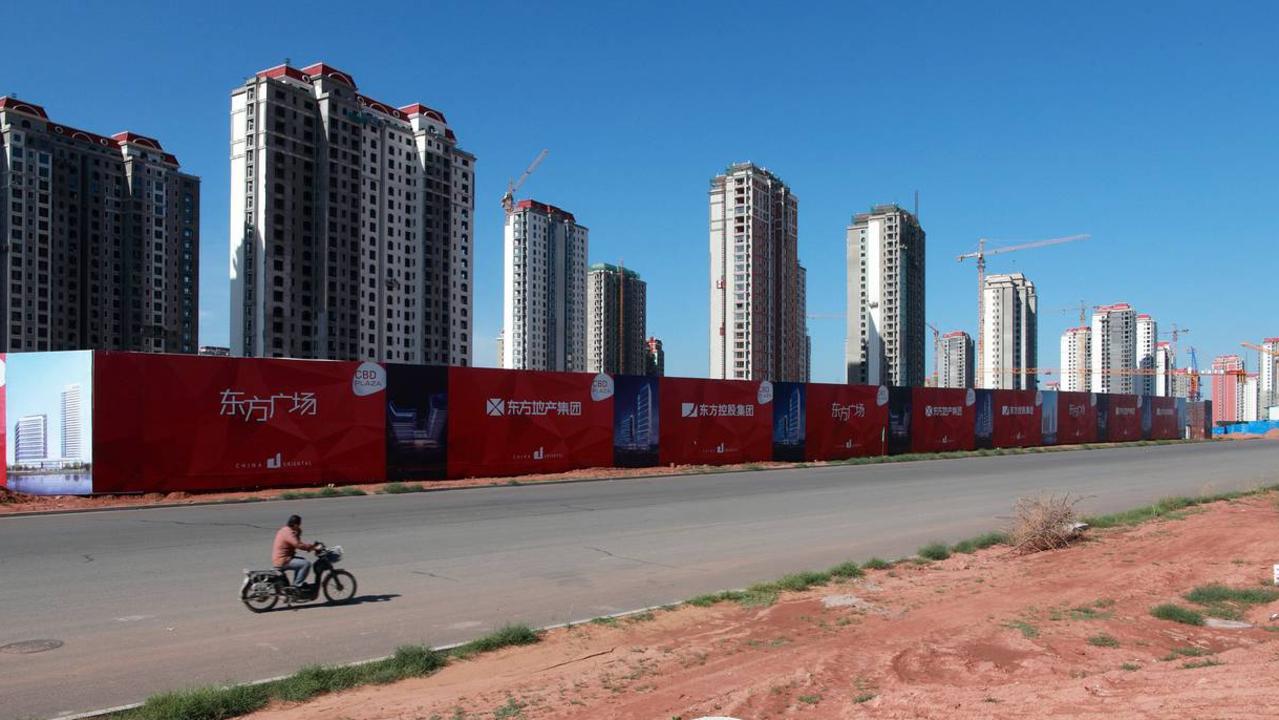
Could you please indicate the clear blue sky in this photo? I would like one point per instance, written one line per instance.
(1151, 126)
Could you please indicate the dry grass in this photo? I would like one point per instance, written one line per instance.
(1043, 523)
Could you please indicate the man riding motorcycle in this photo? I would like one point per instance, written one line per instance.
(288, 540)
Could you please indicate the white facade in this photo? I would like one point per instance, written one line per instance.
(884, 341)
(1114, 349)
(350, 224)
(544, 307)
(1010, 347)
(1147, 344)
(31, 439)
(1248, 409)
(1268, 374)
(1076, 349)
(72, 437)
(1164, 365)
(758, 321)
(957, 360)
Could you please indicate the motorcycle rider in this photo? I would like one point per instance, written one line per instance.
(288, 540)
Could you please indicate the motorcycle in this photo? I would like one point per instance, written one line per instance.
(263, 589)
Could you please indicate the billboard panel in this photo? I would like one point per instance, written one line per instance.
(1125, 418)
(943, 419)
(417, 410)
(715, 422)
(790, 421)
(1076, 417)
(191, 423)
(1164, 420)
(984, 425)
(48, 411)
(513, 423)
(1103, 416)
(1048, 418)
(846, 421)
(900, 400)
(1017, 418)
(636, 420)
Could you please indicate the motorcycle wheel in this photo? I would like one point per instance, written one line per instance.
(339, 586)
(259, 599)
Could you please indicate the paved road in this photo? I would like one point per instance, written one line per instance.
(146, 600)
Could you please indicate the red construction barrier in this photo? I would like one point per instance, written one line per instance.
(515, 423)
(1018, 421)
(166, 423)
(845, 421)
(715, 422)
(1164, 424)
(1125, 418)
(942, 419)
(1076, 418)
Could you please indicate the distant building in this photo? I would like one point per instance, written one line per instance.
(884, 344)
(615, 320)
(501, 347)
(1147, 345)
(1268, 374)
(1229, 386)
(1165, 365)
(1114, 349)
(956, 360)
(215, 350)
(544, 304)
(1076, 351)
(654, 358)
(1011, 345)
(758, 320)
(72, 436)
(1248, 410)
(31, 439)
(101, 239)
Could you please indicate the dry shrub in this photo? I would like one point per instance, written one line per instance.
(1043, 523)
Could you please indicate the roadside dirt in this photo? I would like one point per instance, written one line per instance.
(988, 635)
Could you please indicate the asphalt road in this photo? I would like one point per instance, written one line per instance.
(146, 600)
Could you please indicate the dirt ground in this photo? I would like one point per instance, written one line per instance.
(988, 635)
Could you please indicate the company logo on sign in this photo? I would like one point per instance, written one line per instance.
(942, 410)
(693, 410)
(497, 407)
(765, 394)
(602, 387)
(1125, 411)
(970, 398)
(843, 413)
(369, 379)
(274, 462)
(1075, 410)
(1017, 410)
(262, 409)
(881, 396)
(538, 455)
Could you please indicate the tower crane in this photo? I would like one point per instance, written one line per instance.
(980, 255)
(936, 352)
(508, 199)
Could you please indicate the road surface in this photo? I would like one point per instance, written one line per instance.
(146, 600)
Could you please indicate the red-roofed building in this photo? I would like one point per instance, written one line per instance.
(101, 237)
(544, 308)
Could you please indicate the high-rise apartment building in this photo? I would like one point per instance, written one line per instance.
(1011, 345)
(31, 439)
(615, 314)
(72, 437)
(101, 239)
(1229, 386)
(1076, 351)
(1147, 345)
(654, 357)
(884, 344)
(1114, 349)
(1165, 367)
(1268, 375)
(544, 309)
(758, 320)
(1248, 411)
(351, 224)
(956, 360)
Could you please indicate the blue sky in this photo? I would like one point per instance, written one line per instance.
(1149, 125)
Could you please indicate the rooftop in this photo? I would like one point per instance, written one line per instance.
(544, 208)
(608, 267)
(111, 143)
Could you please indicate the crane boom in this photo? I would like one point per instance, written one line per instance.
(508, 199)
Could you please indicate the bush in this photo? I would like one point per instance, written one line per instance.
(1176, 613)
(1217, 593)
(1043, 523)
(934, 551)
(204, 703)
(981, 542)
(502, 637)
(846, 570)
(876, 564)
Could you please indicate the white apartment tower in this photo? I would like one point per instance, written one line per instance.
(1165, 370)
(956, 360)
(1076, 350)
(758, 321)
(1011, 345)
(351, 231)
(884, 344)
(72, 435)
(615, 313)
(1114, 349)
(1268, 375)
(544, 308)
(31, 439)
(1147, 346)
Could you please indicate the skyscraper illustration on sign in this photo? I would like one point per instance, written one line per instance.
(71, 430)
(635, 420)
(789, 431)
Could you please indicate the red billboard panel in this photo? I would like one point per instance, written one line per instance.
(1164, 424)
(942, 419)
(513, 423)
(846, 421)
(1076, 418)
(1124, 422)
(166, 423)
(1017, 416)
(715, 422)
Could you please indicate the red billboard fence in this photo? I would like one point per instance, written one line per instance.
(136, 423)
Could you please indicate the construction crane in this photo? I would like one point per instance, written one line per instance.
(936, 352)
(980, 256)
(1194, 374)
(508, 199)
(1260, 349)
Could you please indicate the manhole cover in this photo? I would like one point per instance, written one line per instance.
(27, 647)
